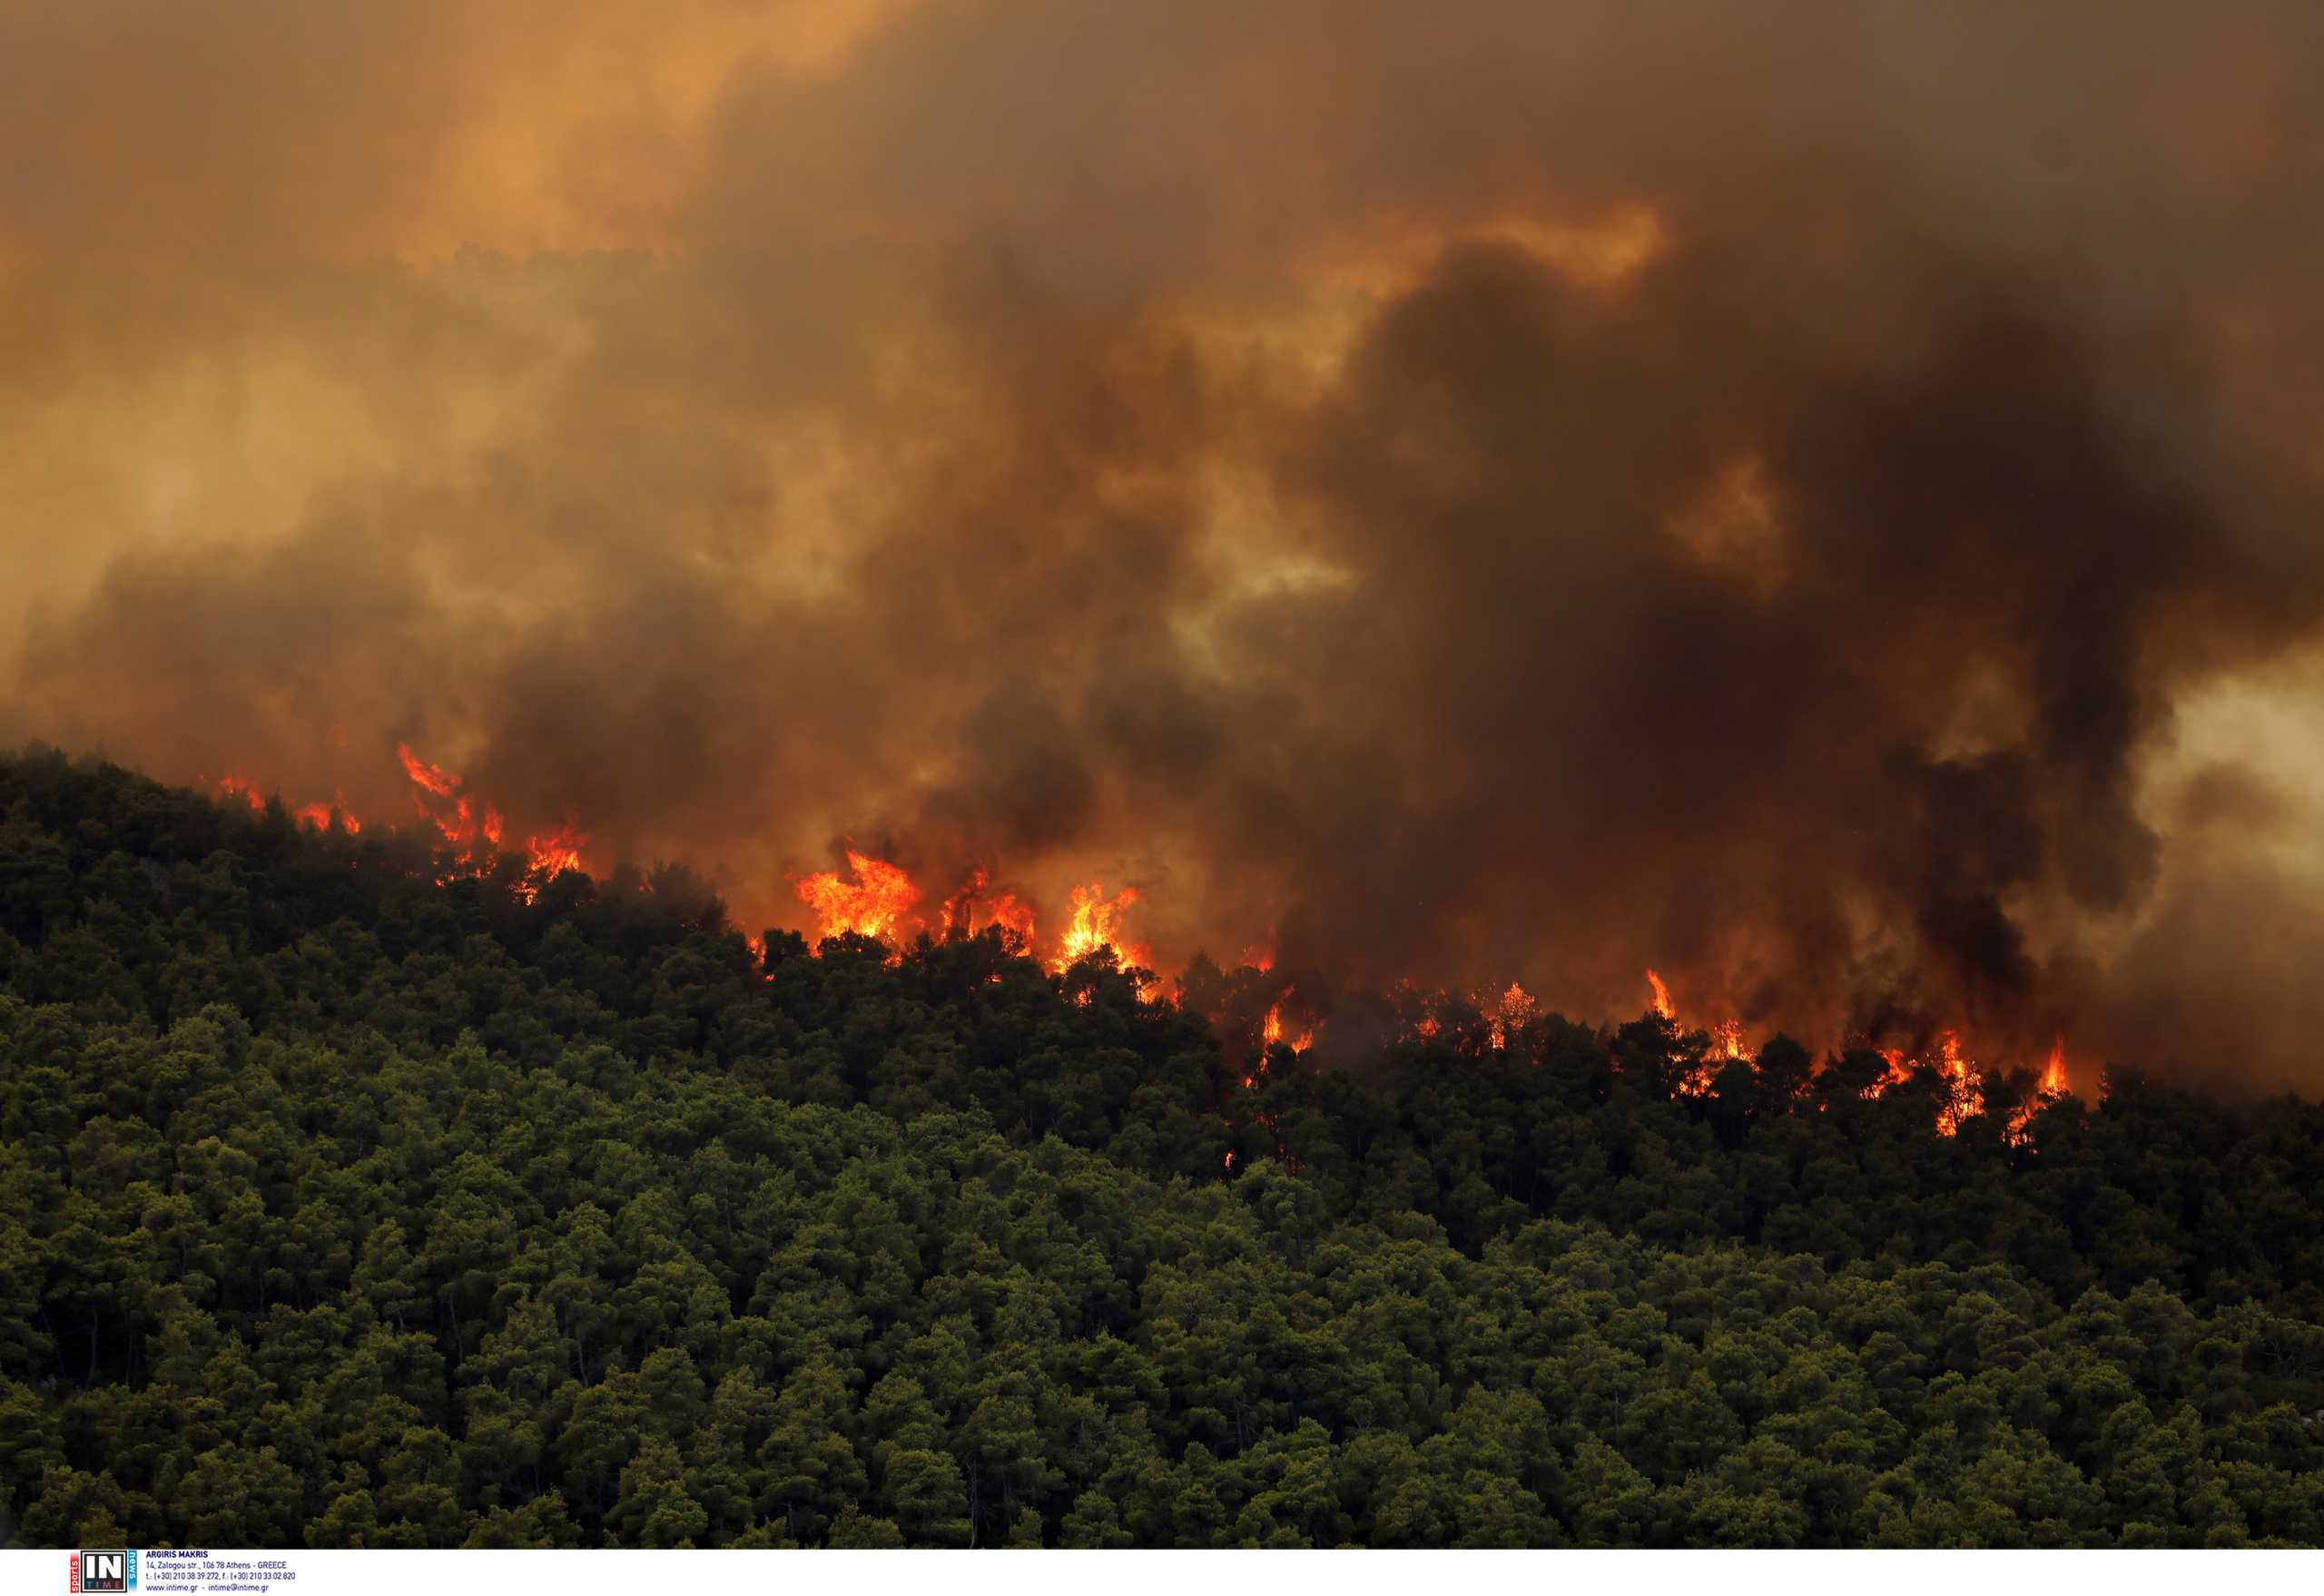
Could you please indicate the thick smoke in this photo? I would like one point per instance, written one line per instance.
(1818, 499)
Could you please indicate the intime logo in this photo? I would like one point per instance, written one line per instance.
(99, 1572)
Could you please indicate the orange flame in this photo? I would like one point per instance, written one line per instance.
(318, 815)
(1013, 915)
(2052, 1088)
(873, 905)
(549, 854)
(879, 899)
(1900, 1069)
(1964, 1099)
(1095, 924)
(1725, 1043)
(970, 911)
(460, 829)
(2053, 1073)
(1271, 1031)
(424, 774)
(960, 907)
(1508, 1014)
(477, 838)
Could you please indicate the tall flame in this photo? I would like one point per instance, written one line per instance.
(2052, 1087)
(873, 904)
(2053, 1073)
(1727, 1041)
(1964, 1098)
(1661, 997)
(1096, 919)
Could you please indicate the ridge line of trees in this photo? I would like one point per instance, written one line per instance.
(341, 1207)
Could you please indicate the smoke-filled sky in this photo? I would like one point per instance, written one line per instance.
(1821, 500)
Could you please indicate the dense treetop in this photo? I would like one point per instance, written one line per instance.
(341, 1207)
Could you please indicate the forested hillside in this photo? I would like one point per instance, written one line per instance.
(341, 1207)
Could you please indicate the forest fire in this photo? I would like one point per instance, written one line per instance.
(474, 830)
(461, 827)
(1962, 1082)
(1772, 607)
(1658, 669)
(878, 899)
(1726, 1040)
(320, 816)
(1963, 1098)
(467, 828)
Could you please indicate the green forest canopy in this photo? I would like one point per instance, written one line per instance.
(339, 1207)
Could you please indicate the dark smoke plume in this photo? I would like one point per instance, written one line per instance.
(1818, 499)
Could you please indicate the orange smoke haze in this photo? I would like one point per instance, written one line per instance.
(1816, 501)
